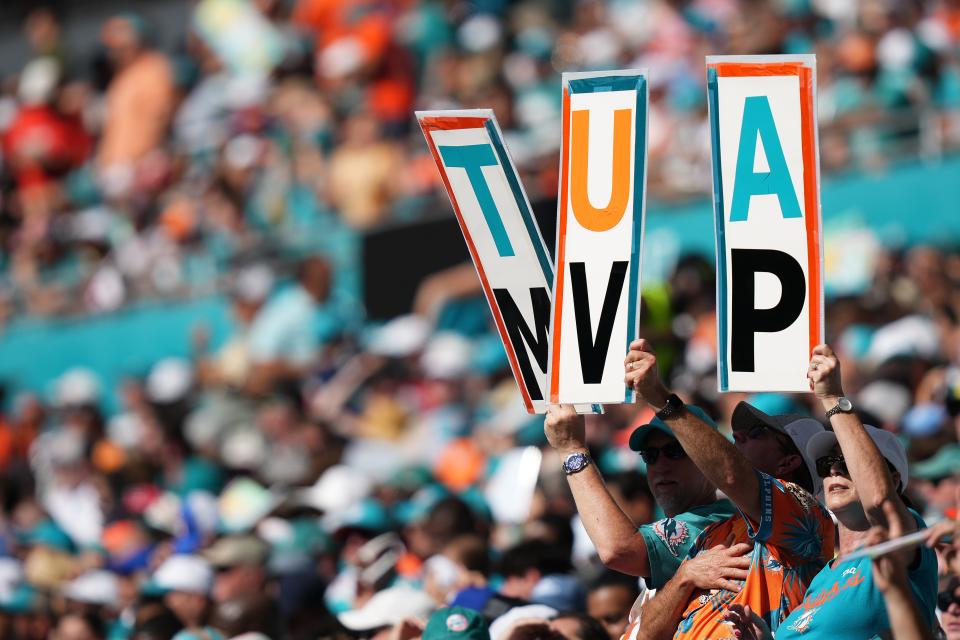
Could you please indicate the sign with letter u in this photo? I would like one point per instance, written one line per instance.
(767, 207)
(596, 301)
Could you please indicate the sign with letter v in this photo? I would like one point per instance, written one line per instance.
(596, 301)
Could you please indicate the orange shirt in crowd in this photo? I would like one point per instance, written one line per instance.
(140, 103)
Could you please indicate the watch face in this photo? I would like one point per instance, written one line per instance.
(844, 404)
(575, 462)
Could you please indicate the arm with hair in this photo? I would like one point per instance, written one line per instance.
(620, 546)
(867, 466)
(718, 568)
(718, 458)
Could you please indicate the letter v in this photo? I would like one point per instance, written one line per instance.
(593, 351)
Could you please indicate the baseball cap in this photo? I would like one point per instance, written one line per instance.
(387, 608)
(234, 551)
(943, 464)
(187, 573)
(562, 592)
(888, 444)
(337, 488)
(641, 433)
(456, 623)
(800, 429)
(97, 587)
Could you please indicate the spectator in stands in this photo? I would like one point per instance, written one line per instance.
(777, 519)
(139, 103)
(609, 601)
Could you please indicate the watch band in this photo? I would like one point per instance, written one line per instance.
(672, 408)
(843, 406)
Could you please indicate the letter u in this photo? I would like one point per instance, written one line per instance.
(587, 215)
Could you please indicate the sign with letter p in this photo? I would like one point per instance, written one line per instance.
(767, 207)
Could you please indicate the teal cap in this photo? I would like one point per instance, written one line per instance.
(420, 504)
(49, 534)
(944, 463)
(641, 433)
(456, 623)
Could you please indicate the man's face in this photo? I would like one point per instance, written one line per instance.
(611, 606)
(235, 582)
(677, 484)
(951, 618)
(188, 607)
(762, 447)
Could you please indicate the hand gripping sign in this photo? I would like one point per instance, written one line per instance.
(596, 299)
(767, 208)
(502, 236)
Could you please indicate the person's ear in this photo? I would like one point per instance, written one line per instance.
(788, 464)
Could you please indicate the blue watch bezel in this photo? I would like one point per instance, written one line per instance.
(576, 462)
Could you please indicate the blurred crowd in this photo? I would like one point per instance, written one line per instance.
(281, 127)
(314, 478)
(303, 488)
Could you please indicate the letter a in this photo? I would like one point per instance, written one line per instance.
(472, 158)
(757, 126)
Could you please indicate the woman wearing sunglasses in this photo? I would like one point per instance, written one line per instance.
(864, 472)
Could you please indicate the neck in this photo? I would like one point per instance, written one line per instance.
(854, 533)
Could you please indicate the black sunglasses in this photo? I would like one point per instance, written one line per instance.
(673, 451)
(946, 598)
(758, 431)
(826, 463)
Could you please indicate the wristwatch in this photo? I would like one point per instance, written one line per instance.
(575, 463)
(843, 406)
(672, 408)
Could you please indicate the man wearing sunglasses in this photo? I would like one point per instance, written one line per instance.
(653, 551)
(788, 534)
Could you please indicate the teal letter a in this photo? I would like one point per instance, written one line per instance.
(758, 125)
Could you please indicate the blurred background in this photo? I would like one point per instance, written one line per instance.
(237, 323)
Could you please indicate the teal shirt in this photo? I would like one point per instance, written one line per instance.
(842, 601)
(669, 540)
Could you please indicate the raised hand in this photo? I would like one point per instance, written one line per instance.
(640, 373)
(824, 373)
(564, 428)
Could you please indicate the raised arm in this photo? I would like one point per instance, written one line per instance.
(718, 458)
(867, 466)
(620, 546)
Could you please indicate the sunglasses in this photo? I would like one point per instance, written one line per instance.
(826, 463)
(946, 598)
(758, 431)
(672, 451)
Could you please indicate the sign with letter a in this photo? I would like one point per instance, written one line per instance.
(766, 192)
(596, 301)
(502, 236)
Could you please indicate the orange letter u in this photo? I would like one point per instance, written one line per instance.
(587, 215)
